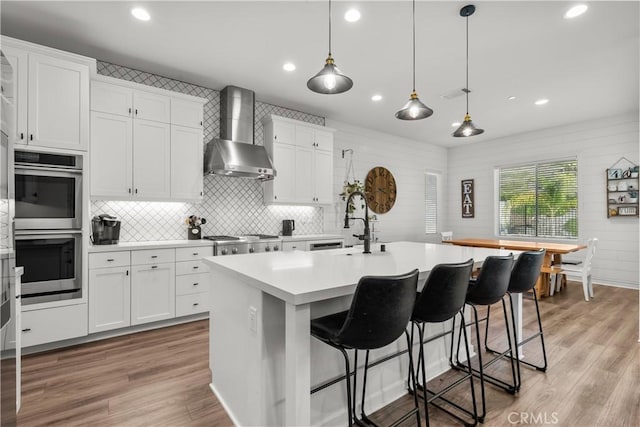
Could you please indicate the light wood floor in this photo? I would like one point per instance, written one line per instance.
(160, 378)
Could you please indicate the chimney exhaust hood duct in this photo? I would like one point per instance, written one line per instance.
(235, 153)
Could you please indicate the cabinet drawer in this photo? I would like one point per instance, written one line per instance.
(54, 324)
(191, 304)
(152, 256)
(294, 246)
(192, 284)
(193, 254)
(191, 267)
(109, 259)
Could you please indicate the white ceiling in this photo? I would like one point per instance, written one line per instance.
(587, 67)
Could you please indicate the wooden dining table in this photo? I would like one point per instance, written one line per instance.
(553, 254)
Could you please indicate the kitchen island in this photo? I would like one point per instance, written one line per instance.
(263, 360)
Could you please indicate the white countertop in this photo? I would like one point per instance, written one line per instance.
(299, 237)
(130, 246)
(302, 277)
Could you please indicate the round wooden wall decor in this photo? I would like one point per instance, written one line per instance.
(380, 186)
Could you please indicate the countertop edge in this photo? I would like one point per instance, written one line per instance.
(166, 244)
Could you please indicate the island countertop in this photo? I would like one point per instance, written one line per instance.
(303, 277)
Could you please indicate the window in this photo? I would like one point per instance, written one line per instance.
(431, 204)
(539, 200)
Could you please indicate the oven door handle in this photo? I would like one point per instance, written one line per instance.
(45, 234)
(45, 171)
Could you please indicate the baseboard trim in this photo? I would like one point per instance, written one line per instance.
(234, 420)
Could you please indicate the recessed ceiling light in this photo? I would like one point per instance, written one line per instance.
(541, 101)
(140, 13)
(352, 15)
(511, 98)
(575, 11)
(376, 97)
(289, 66)
(455, 124)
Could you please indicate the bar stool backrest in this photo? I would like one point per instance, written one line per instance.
(526, 271)
(492, 282)
(380, 311)
(444, 293)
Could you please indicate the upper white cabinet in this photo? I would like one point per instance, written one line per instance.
(302, 155)
(51, 96)
(138, 151)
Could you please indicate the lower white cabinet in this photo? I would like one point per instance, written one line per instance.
(153, 293)
(109, 298)
(53, 324)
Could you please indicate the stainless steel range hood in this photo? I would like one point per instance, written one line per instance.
(234, 153)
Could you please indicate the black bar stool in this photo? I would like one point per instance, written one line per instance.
(380, 312)
(488, 288)
(524, 275)
(442, 297)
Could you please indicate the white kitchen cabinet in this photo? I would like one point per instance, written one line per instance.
(153, 293)
(53, 324)
(151, 160)
(306, 175)
(125, 101)
(111, 155)
(186, 163)
(192, 281)
(109, 298)
(186, 113)
(51, 96)
(164, 160)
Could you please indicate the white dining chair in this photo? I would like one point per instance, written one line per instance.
(446, 235)
(580, 271)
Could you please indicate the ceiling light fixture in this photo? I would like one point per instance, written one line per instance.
(289, 66)
(576, 11)
(376, 98)
(541, 101)
(140, 13)
(455, 124)
(414, 109)
(352, 15)
(467, 128)
(330, 79)
(511, 98)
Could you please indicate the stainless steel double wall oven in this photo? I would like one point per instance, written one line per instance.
(48, 212)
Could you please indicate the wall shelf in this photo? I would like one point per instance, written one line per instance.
(622, 189)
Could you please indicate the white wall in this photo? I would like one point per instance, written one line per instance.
(407, 159)
(597, 144)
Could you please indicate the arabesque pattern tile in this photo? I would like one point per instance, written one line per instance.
(230, 205)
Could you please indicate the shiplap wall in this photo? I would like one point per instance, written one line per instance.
(597, 144)
(407, 159)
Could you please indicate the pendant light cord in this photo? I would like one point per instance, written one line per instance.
(414, 46)
(467, 87)
(329, 27)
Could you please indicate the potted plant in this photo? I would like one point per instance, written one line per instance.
(347, 189)
(194, 223)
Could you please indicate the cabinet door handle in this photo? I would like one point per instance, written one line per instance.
(154, 266)
(30, 137)
(21, 135)
(127, 272)
(195, 254)
(110, 260)
(129, 191)
(136, 111)
(154, 256)
(275, 197)
(195, 267)
(26, 330)
(200, 122)
(196, 284)
(195, 304)
(129, 110)
(136, 191)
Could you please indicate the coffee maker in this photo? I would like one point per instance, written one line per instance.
(288, 225)
(105, 230)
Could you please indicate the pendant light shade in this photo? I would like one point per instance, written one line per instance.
(467, 128)
(414, 109)
(330, 79)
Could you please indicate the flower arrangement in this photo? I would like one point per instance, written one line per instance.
(347, 189)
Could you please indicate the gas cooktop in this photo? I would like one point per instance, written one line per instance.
(246, 238)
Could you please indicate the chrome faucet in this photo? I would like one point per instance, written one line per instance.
(366, 237)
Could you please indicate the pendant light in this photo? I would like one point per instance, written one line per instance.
(414, 109)
(330, 79)
(467, 128)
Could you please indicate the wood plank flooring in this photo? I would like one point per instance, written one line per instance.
(161, 377)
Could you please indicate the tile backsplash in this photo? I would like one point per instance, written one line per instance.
(230, 205)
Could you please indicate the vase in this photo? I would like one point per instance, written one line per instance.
(194, 233)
